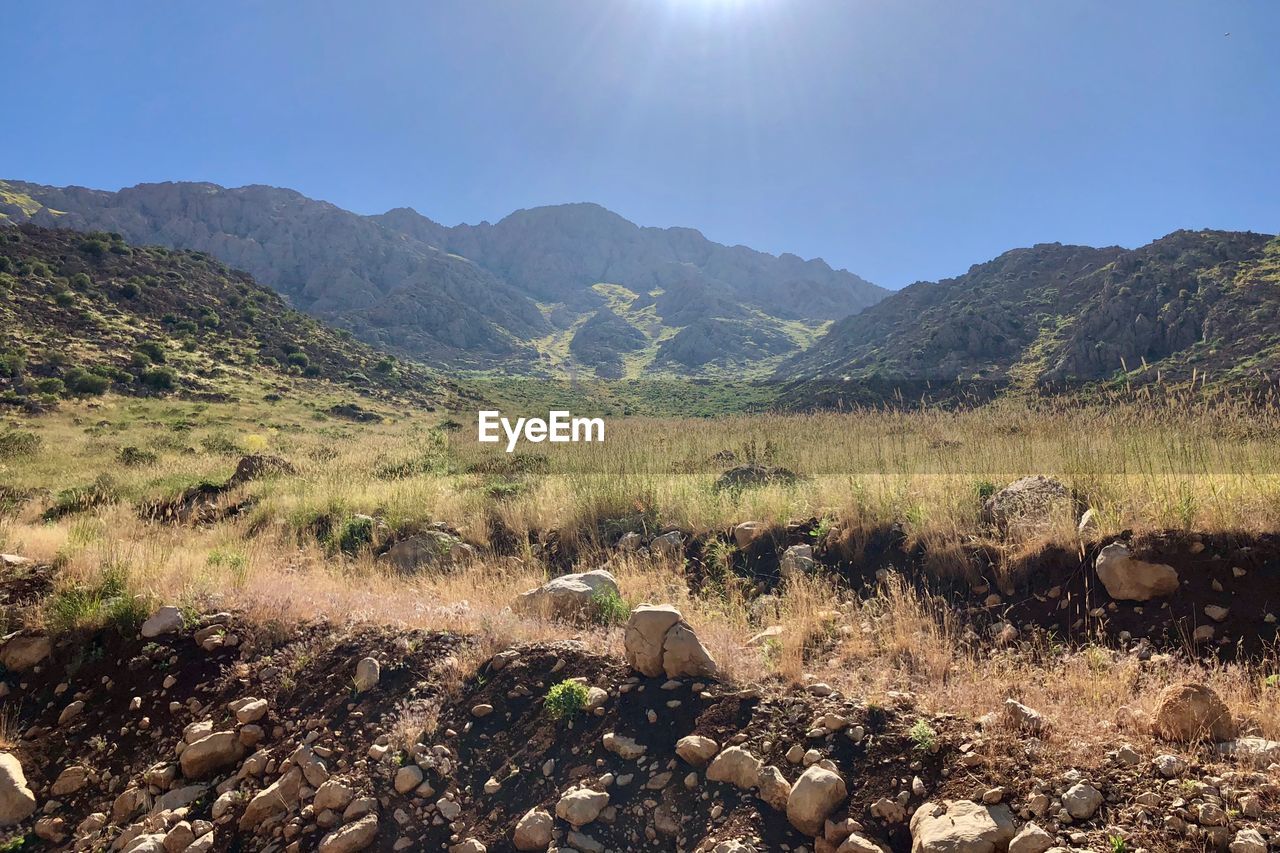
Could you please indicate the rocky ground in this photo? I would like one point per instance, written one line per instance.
(206, 732)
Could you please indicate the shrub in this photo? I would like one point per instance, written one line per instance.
(609, 608)
(83, 498)
(82, 382)
(51, 385)
(135, 456)
(565, 699)
(12, 363)
(299, 360)
(81, 281)
(355, 533)
(14, 443)
(64, 298)
(107, 603)
(924, 736)
(153, 350)
(159, 378)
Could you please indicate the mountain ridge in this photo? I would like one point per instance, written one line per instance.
(1192, 304)
(507, 295)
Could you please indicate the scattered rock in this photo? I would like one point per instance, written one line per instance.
(737, 767)
(580, 806)
(1028, 506)
(352, 837)
(22, 652)
(166, 620)
(697, 750)
(1130, 579)
(813, 798)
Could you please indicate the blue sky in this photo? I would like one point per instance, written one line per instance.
(901, 139)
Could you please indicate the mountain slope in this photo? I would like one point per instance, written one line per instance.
(508, 295)
(1202, 301)
(81, 313)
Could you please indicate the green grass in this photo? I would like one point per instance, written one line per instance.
(108, 603)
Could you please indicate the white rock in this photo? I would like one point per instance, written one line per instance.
(813, 798)
(166, 620)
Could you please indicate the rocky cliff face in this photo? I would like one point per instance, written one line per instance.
(1054, 315)
(486, 295)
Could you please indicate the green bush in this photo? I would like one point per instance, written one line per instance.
(355, 533)
(153, 350)
(12, 363)
(159, 378)
(299, 360)
(609, 608)
(135, 456)
(565, 699)
(51, 385)
(82, 382)
(64, 298)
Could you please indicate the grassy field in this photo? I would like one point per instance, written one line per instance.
(1205, 469)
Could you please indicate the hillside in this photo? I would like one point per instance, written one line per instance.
(512, 296)
(1193, 303)
(84, 313)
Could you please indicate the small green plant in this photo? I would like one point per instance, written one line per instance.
(984, 489)
(924, 736)
(1117, 844)
(609, 608)
(565, 699)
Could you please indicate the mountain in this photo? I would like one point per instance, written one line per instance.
(1193, 303)
(83, 313)
(514, 295)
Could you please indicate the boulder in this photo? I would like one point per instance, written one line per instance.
(752, 475)
(813, 798)
(166, 620)
(1257, 751)
(533, 831)
(1031, 839)
(1129, 579)
(735, 766)
(1190, 712)
(432, 549)
(961, 826)
(697, 750)
(70, 780)
(568, 597)
(334, 795)
(258, 465)
(22, 652)
(17, 802)
(1028, 506)
(211, 753)
(630, 542)
(368, 671)
(645, 635)
(580, 806)
(622, 746)
(354, 836)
